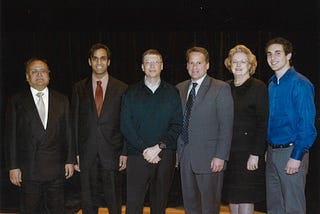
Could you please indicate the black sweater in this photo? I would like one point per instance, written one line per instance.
(149, 118)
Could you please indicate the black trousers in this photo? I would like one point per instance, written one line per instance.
(42, 197)
(141, 175)
(98, 183)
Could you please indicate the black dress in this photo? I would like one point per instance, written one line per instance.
(249, 135)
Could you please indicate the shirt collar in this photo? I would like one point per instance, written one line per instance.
(284, 77)
(104, 79)
(34, 91)
(199, 81)
(152, 86)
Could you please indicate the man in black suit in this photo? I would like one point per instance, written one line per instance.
(101, 152)
(38, 136)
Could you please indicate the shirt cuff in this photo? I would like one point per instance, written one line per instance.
(297, 153)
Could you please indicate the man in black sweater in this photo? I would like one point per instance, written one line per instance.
(151, 121)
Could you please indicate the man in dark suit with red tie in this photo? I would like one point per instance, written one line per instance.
(96, 102)
(38, 138)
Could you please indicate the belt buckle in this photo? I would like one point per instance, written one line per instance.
(273, 146)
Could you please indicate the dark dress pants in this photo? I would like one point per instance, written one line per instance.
(42, 197)
(141, 175)
(97, 183)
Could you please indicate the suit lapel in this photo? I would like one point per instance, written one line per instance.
(33, 115)
(52, 109)
(89, 91)
(185, 94)
(107, 97)
(202, 91)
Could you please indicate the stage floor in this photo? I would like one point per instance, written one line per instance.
(177, 210)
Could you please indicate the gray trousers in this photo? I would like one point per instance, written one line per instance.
(285, 193)
(201, 192)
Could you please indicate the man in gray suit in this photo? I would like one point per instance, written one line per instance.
(204, 145)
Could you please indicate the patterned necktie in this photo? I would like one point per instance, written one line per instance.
(99, 97)
(41, 108)
(187, 113)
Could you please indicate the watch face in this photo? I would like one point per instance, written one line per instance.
(162, 146)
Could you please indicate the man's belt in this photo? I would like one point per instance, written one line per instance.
(274, 146)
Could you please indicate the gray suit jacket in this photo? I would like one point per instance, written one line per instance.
(211, 123)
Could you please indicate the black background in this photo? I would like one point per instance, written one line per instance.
(62, 31)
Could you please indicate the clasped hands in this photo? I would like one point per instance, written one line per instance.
(151, 154)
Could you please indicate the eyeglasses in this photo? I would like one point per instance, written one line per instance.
(102, 59)
(38, 71)
(242, 62)
(148, 63)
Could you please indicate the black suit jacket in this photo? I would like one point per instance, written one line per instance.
(40, 153)
(98, 135)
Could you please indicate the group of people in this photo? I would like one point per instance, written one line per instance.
(238, 141)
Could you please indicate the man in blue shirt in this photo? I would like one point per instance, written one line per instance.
(291, 131)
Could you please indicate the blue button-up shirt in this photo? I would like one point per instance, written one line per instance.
(292, 112)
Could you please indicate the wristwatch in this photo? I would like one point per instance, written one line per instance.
(162, 145)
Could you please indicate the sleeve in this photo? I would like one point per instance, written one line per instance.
(71, 158)
(225, 112)
(262, 115)
(175, 123)
(75, 118)
(303, 101)
(127, 125)
(11, 136)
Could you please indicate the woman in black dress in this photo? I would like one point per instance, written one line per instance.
(244, 182)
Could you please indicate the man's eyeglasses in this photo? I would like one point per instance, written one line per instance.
(38, 71)
(152, 62)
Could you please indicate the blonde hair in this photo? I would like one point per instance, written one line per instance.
(151, 52)
(242, 49)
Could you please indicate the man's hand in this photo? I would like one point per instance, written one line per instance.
(69, 169)
(150, 154)
(15, 177)
(292, 166)
(217, 164)
(77, 165)
(252, 163)
(155, 160)
(122, 162)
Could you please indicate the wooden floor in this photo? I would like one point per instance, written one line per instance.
(177, 210)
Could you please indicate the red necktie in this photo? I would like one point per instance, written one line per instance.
(99, 97)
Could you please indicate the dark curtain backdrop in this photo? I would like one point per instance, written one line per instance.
(64, 37)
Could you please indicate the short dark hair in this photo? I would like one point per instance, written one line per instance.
(99, 46)
(287, 46)
(31, 60)
(198, 49)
